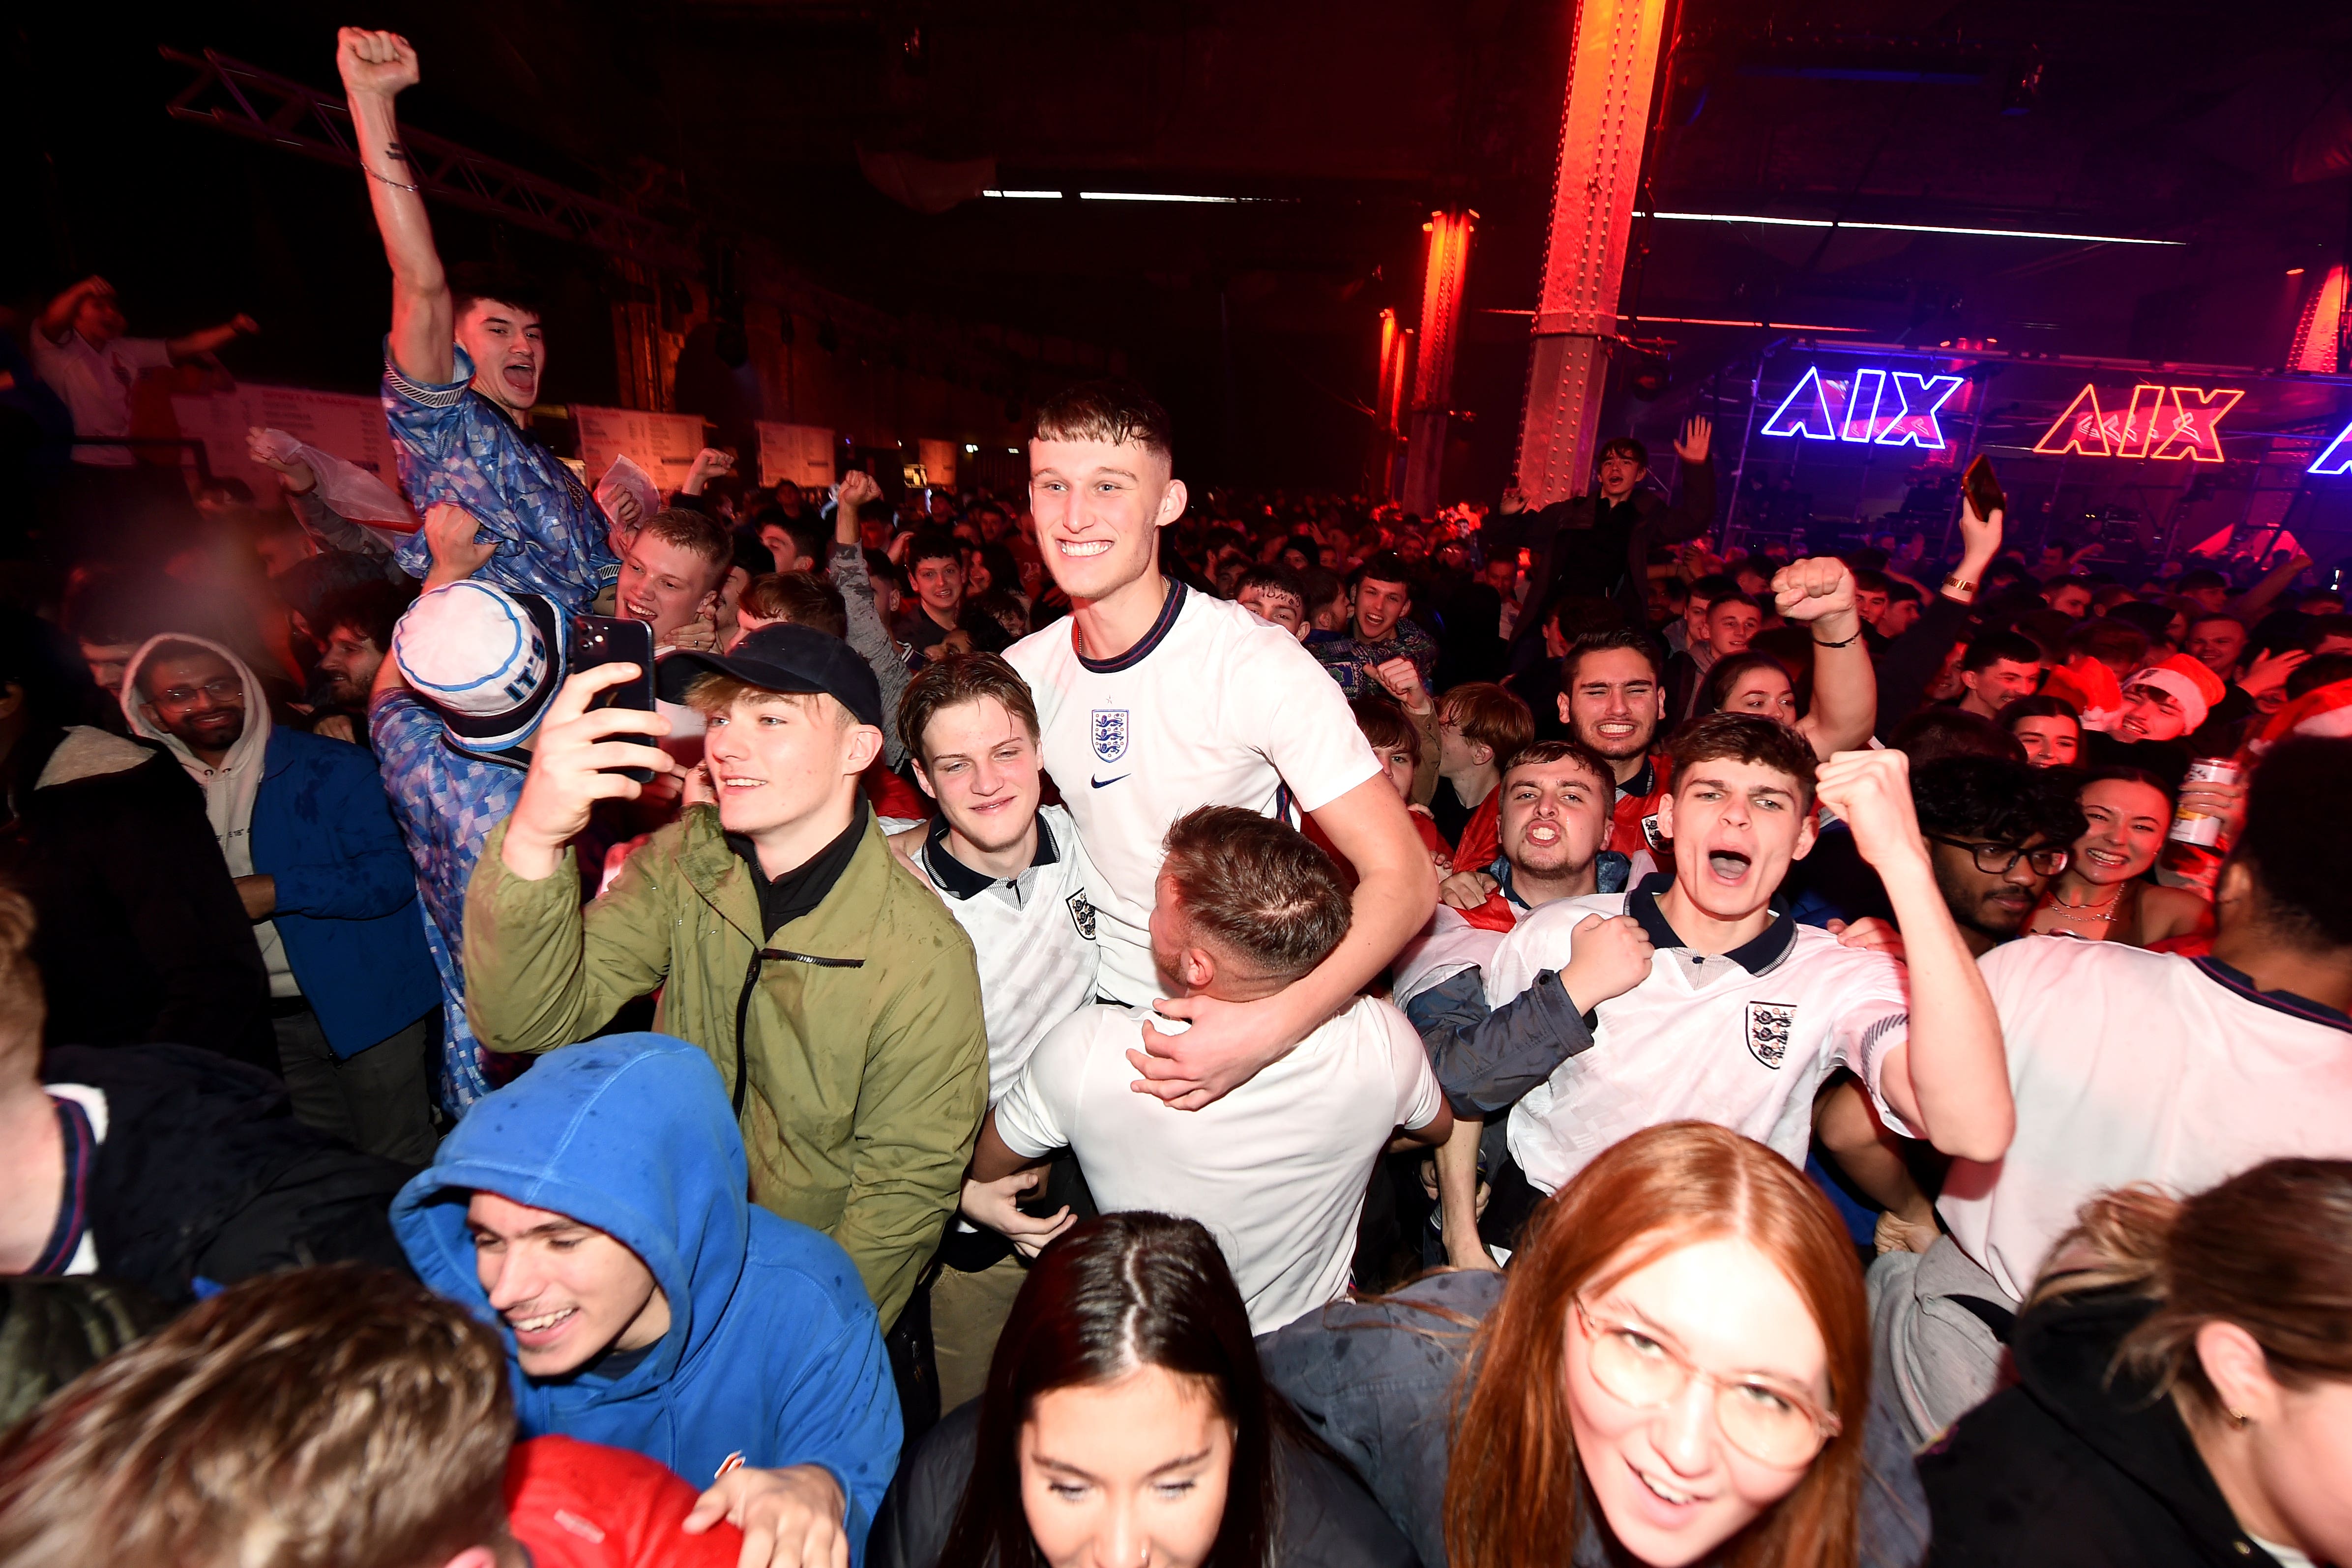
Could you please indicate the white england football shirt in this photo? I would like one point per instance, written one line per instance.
(2130, 1066)
(1214, 707)
(1744, 1039)
(1032, 935)
(1275, 1170)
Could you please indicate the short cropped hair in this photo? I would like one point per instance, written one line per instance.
(344, 1414)
(2110, 640)
(950, 681)
(934, 544)
(473, 281)
(1601, 639)
(1544, 753)
(1706, 590)
(1387, 566)
(802, 598)
(1871, 580)
(1384, 724)
(1275, 578)
(1939, 732)
(1254, 888)
(2197, 578)
(1998, 800)
(696, 533)
(1116, 413)
(2297, 842)
(1994, 647)
(1742, 738)
(1493, 716)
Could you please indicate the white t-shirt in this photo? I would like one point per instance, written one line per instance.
(2138, 1067)
(1441, 950)
(95, 386)
(1275, 1170)
(1744, 1039)
(1034, 936)
(1214, 707)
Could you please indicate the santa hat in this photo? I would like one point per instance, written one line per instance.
(2322, 711)
(2187, 682)
(2092, 687)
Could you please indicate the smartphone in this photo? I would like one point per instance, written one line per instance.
(1983, 488)
(601, 639)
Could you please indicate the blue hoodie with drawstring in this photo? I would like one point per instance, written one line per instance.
(772, 1354)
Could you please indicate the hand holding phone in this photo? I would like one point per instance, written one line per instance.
(601, 640)
(1983, 487)
(582, 753)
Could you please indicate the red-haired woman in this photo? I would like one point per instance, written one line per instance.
(1675, 1371)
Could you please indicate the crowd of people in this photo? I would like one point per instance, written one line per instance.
(1118, 1024)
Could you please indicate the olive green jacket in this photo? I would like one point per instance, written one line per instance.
(864, 1047)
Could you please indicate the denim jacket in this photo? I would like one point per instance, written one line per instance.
(1378, 1380)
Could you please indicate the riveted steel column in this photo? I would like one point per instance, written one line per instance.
(1604, 127)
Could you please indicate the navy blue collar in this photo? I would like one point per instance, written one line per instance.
(1610, 870)
(960, 881)
(2287, 1001)
(1151, 639)
(1756, 955)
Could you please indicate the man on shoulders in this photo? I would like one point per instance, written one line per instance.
(81, 350)
(1598, 546)
(1154, 700)
(594, 1209)
(462, 370)
(837, 998)
(1278, 1168)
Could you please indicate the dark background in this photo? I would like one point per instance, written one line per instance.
(743, 124)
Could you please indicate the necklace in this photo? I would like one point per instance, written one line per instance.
(2090, 911)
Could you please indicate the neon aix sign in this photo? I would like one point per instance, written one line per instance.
(2166, 422)
(1886, 408)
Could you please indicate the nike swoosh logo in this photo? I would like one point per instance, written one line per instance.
(1100, 783)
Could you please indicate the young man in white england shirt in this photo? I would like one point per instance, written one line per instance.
(1154, 700)
(2129, 1066)
(1276, 1169)
(1737, 1014)
(1012, 873)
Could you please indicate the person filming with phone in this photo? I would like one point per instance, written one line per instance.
(837, 998)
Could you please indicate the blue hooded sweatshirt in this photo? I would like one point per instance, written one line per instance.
(772, 1351)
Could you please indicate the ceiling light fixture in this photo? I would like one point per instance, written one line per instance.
(1025, 195)
(1155, 197)
(1906, 227)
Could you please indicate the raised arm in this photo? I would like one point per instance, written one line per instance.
(1694, 514)
(1949, 1079)
(210, 338)
(1911, 660)
(57, 317)
(2249, 604)
(375, 66)
(1819, 591)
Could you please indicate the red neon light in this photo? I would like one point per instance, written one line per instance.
(2195, 414)
(2084, 431)
(2166, 423)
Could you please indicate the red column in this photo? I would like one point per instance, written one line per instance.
(1603, 127)
(1433, 377)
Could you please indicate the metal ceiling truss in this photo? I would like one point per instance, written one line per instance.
(247, 101)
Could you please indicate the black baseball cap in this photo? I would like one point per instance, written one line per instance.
(783, 657)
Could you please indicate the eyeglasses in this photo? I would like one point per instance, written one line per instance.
(1771, 1424)
(220, 690)
(1999, 859)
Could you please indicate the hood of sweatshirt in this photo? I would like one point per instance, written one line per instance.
(630, 1134)
(2064, 1351)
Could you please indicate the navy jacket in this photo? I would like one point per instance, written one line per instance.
(346, 890)
(773, 1353)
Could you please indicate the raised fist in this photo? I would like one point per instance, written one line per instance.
(379, 63)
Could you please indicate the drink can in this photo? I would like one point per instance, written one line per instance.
(2195, 827)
